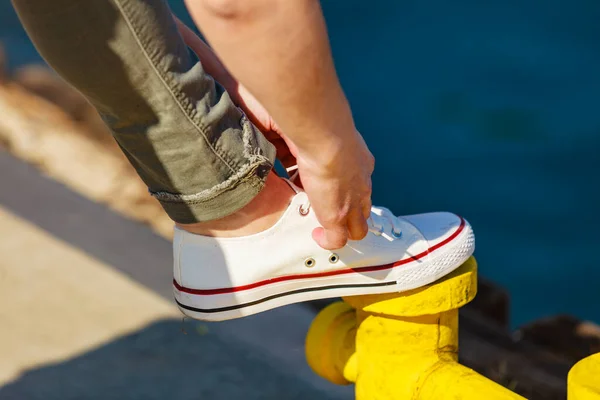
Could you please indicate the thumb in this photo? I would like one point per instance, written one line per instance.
(330, 239)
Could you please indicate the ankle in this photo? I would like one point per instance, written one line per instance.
(260, 214)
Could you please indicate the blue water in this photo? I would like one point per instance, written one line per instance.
(489, 109)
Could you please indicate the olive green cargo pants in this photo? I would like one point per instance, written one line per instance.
(196, 151)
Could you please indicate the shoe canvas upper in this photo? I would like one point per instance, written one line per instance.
(203, 262)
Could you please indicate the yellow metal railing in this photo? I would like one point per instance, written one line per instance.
(405, 346)
(584, 379)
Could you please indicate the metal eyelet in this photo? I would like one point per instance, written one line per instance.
(397, 235)
(333, 258)
(310, 262)
(302, 211)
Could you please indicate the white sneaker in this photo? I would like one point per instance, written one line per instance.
(223, 278)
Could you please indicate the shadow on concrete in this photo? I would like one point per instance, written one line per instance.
(261, 356)
(169, 359)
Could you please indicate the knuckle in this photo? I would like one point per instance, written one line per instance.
(367, 191)
(371, 161)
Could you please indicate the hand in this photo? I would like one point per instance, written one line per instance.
(337, 180)
(338, 184)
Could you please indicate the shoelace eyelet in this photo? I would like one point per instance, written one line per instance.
(397, 235)
(302, 211)
(310, 262)
(333, 258)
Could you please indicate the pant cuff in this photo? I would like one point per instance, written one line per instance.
(230, 195)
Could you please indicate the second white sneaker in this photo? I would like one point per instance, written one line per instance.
(223, 278)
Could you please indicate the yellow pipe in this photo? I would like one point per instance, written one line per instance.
(402, 345)
(584, 379)
(330, 343)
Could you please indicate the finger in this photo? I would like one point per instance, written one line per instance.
(290, 145)
(330, 239)
(366, 208)
(357, 225)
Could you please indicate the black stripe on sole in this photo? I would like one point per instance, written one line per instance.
(255, 302)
